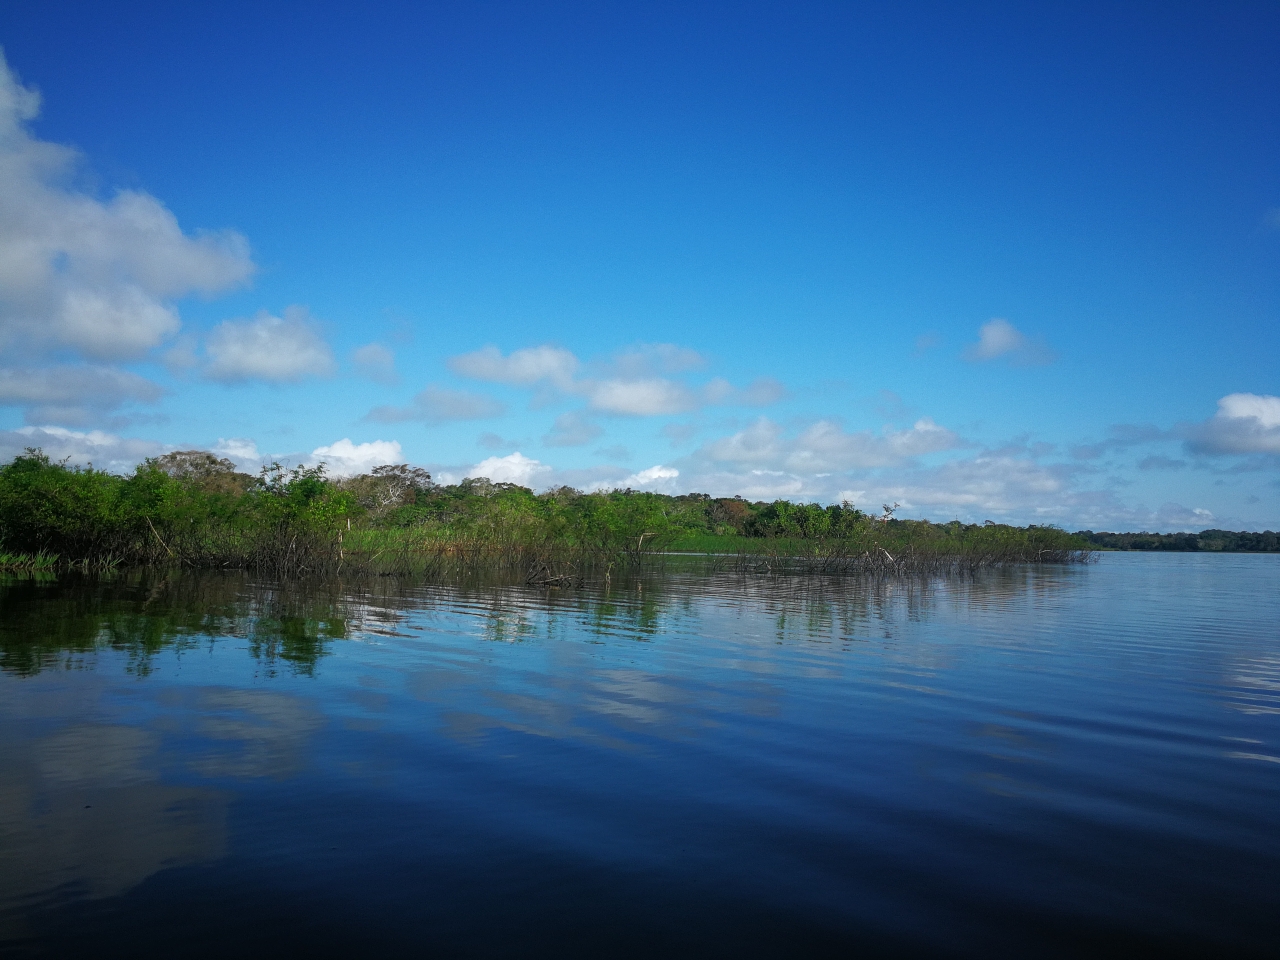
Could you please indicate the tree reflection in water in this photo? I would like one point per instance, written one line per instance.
(62, 623)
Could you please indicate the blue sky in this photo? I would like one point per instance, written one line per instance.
(984, 261)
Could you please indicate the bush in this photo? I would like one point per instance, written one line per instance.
(193, 508)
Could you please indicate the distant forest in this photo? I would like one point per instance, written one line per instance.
(1206, 541)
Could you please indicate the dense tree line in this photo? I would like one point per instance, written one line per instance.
(194, 508)
(1208, 541)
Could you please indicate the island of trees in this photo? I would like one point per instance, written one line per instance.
(193, 509)
(1206, 541)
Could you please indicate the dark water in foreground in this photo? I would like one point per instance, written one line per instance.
(1064, 761)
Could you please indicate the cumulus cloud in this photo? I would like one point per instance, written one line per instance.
(73, 394)
(376, 362)
(633, 385)
(643, 398)
(990, 483)
(440, 405)
(523, 368)
(1000, 338)
(106, 451)
(634, 382)
(344, 458)
(826, 446)
(240, 450)
(1174, 516)
(1246, 423)
(761, 392)
(514, 468)
(273, 349)
(649, 358)
(98, 277)
(659, 478)
(995, 339)
(1016, 488)
(726, 481)
(572, 430)
(1017, 483)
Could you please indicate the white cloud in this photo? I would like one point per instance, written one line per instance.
(275, 349)
(650, 358)
(1174, 516)
(643, 398)
(96, 277)
(1251, 406)
(1015, 483)
(658, 478)
(376, 362)
(995, 339)
(572, 430)
(344, 458)
(439, 405)
(988, 484)
(1017, 489)
(826, 446)
(515, 468)
(761, 392)
(1000, 338)
(1245, 423)
(753, 484)
(241, 450)
(118, 323)
(73, 394)
(631, 383)
(523, 368)
(106, 451)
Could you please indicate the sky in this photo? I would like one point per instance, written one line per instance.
(985, 262)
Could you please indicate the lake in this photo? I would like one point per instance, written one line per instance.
(1057, 761)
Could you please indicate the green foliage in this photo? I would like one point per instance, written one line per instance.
(199, 517)
(806, 521)
(1215, 541)
(46, 507)
(191, 508)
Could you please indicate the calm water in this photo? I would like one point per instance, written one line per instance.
(1066, 761)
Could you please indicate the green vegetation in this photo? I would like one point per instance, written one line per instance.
(192, 509)
(1209, 541)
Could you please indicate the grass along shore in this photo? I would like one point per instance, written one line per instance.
(191, 509)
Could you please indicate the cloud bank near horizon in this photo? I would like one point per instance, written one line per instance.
(928, 469)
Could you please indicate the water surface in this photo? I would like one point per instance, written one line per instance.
(1064, 761)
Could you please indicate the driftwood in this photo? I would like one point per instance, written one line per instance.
(541, 575)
